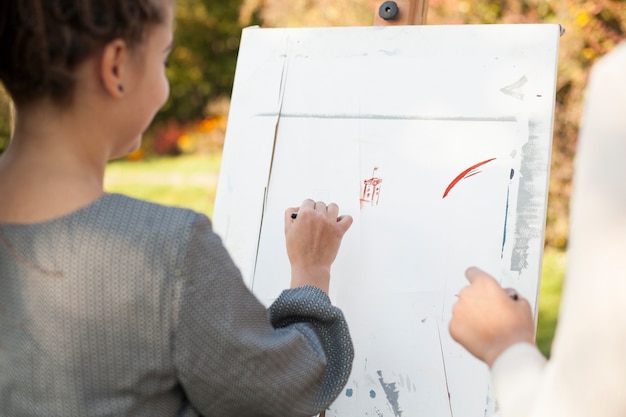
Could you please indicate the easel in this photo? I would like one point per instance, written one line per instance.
(396, 13)
(449, 105)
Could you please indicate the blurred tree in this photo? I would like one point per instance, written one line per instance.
(202, 63)
(296, 13)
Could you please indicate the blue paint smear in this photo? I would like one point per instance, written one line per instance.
(372, 394)
(506, 213)
(506, 216)
(349, 392)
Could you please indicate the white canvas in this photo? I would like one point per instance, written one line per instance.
(436, 139)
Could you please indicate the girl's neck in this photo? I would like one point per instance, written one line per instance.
(53, 165)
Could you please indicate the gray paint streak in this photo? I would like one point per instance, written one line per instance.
(530, 218)
(387, 117)
(391, 393)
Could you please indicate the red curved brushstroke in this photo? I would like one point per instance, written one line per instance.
(463, 174)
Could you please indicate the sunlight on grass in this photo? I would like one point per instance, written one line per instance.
(550, 297)
(182, 181)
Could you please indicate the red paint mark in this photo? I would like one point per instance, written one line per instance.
(370, 193)
(472, 174)
(465, 174)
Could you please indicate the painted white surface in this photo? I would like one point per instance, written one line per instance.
(315, 111)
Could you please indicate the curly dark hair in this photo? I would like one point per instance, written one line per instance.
(43, 41)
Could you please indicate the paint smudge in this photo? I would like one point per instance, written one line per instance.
(372, 394)
(389, 53)
(370, 193)
(364, 116)
(515, 90)
(349, 392)
(469, 172)
(391, 393)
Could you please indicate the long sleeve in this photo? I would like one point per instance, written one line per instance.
(586, 374)
(236, 358)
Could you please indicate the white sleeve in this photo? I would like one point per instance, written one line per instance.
(515, 374)
(586, 374)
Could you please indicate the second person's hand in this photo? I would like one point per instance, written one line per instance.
(487, 319)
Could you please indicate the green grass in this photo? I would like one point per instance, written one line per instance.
(190, 181)
(183, 181)
(550, 297)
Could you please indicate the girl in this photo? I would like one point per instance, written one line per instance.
(118, 307)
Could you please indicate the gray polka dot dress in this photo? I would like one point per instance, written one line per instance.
(128, 308)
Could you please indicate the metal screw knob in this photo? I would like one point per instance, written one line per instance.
(388, 10)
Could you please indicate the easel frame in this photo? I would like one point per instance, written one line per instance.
(474, 97)
(402, 12)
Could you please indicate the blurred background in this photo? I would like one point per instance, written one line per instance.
(179, 160)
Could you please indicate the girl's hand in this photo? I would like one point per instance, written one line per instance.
(313, 238)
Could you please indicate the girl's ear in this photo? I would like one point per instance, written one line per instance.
(113, 67)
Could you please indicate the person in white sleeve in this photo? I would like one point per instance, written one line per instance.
(586, 372)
